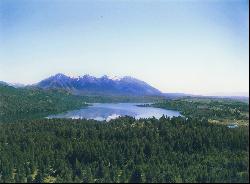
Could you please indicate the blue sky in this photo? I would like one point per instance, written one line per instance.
(189, 46)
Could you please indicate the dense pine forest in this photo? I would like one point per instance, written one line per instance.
(123, 150)
(180, 149)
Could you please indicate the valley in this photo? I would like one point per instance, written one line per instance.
(197, 146)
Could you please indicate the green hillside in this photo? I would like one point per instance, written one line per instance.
(24, 103)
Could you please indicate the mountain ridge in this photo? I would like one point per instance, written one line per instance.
(105, 85)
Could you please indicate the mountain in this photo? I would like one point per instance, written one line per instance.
(177, 95)
(89, 85)
(15, 85)
(232, 94)
(3, 83)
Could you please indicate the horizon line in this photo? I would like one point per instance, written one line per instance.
(210, 94)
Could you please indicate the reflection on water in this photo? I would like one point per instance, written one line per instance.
(108, 111)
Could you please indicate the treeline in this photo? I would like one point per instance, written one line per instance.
(123, 150)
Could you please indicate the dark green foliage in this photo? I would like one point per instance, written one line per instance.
(136, 176)
(217, 109)
(16, 104)
(123, 150)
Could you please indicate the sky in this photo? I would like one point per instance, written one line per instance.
(188, 46)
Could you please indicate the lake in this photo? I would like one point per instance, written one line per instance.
(108, 111)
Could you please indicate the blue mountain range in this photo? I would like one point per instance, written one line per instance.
(89, 85)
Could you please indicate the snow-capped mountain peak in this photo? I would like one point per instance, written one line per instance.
(114, 78)
(105, 85)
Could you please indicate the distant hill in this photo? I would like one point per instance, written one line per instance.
(89, 85)
(178, 95)
(15, 85)
(3, 83)
(22, 103)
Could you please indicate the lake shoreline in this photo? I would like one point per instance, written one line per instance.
(108, 111)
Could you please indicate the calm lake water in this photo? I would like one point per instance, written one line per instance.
(108, 111)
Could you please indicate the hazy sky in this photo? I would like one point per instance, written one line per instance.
(198, 47)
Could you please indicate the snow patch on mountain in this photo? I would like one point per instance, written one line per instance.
(114, 78)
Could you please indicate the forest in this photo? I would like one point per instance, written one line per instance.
(123, 150)
(187, 148)
(215, 110)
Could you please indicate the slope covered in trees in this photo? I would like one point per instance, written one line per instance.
(123, 150)
(24, 103)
